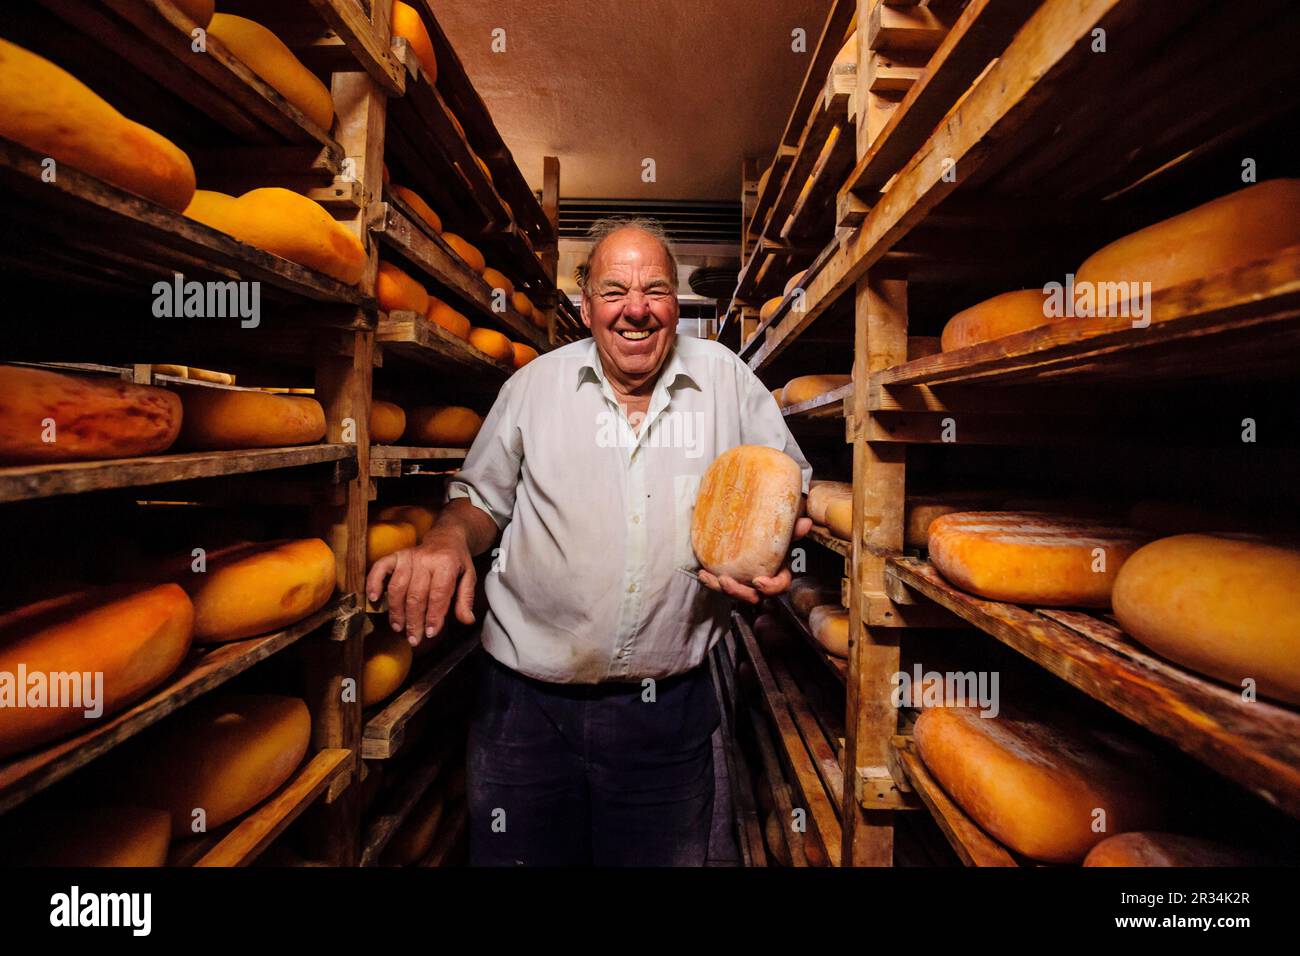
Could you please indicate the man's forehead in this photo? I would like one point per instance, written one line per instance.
(628, 251)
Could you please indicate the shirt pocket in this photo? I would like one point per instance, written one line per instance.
(685, 489)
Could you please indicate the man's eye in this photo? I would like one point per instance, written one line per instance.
(611, 296)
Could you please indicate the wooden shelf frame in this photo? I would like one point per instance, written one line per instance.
(417, 339)
(397, 461)
(834, 666)
(385, 730)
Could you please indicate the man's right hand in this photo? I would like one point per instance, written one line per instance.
(423, 581)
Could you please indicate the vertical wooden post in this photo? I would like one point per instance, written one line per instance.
(551, 253)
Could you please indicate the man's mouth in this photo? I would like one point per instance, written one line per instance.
(635, 335)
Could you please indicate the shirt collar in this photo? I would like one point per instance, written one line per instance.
(673, 375)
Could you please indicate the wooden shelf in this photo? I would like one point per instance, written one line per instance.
(206, 668)
(396, 461)
(972, 845)
(383, 826)
(411, 336)
(24, 482)
(827, 407)
(835, 666)
(827, 540)
(1256, 744)
(242, 843)
(384, 731)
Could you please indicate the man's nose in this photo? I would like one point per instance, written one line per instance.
(636, 305)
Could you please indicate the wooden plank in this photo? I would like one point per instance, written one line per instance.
(24, 482)
(914, 28)
(824, 757)
(366, 39)
(414, 337)
(829, 405)
(824, 537)
(749, 828)
(384, 826)
(260, 828)
(384, 731)
(1256, 744)
(833, 665)
(205, 669)
(972, 845)
(390, 461)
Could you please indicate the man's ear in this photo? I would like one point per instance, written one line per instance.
(585, 310)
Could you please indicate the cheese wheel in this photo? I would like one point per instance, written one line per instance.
(993, 318)
(223, 754)
(223, 419)
(386, 537)
(97, 836)
(440, 313)
(418, 206)
(398, 292)
(179, 371)
(50, 111)
(482, 165)
(792, 283)
(252, 589)
(806, 593)
(1167, 849)
(491, 342)
(83, 418)
(1223, 234)
(769, 308)
(134, 636)
(468, 254)
(523, 354)
(522, 304)
(439, 426)
(829, 624)
(387, 422)
(763, 179)
(266, 55)
(200, 11)
(539, 318)
(207, 375)
(1033, 558)
(820, 494)
(779, 395)
(745, 512)
(920, 511)
(414, 839)
(1223, 606)
(807, 387)
(407, 24)
(771, 633)
(387, 664)
(417, 516)
(839, 517)
(498, 280)
(1036, 786)
(286, 224)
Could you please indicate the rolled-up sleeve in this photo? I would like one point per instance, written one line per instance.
(761, 423)
(491, 471)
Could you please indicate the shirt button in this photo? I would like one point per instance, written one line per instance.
(631, 588)
(636, 519)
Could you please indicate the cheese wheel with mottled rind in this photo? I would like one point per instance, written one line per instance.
(266, 55)
(1223, 606)
(768, 309)
(993, 318)
(745, 512)
(224, 419)
(387, 422)
(807, 387)
(920, 511)
(839, 516)
(1032, 558)
(820, 494)
(438, 426)
(1048, 790)
(385, 537)
(1153, 848)
(829, 624)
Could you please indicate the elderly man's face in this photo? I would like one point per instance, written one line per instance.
(630, 304)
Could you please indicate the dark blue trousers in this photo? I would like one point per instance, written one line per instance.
(582, 775)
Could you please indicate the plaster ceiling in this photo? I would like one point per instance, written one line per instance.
(603, 84)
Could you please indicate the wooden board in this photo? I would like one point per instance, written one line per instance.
(384, 731)
(453, 828)
(749, 828)
(827, 406)
(397, 461)
(827, 540)
(383, 826)
(1257, 744)
(833, 665)
(411, 336)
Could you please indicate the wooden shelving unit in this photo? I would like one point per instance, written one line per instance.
(415, 338)
(385, 730)
(395, 461)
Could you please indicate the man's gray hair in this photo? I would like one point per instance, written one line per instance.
(602, 229)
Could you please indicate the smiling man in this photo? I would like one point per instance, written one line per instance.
(591, 739)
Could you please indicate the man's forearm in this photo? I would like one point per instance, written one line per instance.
(475, 526)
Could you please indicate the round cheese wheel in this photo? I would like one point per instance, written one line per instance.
(407, 24)
(418, 516)
(48, 416)
(134, 636)
(492, 343)
(539, 318)
(387, 664)
(1222, 606)
(920, 511)
(792, 283)
(522, 304)
(442, 426)
(468, 254)
(1032, 558)
(807, 387)
(398, 292)
(223, 419)
(820, 494)
(1223, 234)
(442, 314)
(252, 589)
(993, 318)
(418, 206)
(386, 537)
(771, 633)
(806, 593)
(1167, 849)
(387, 422)
(745, 512)
(829, 624)
(769, 308)
(839, 517)
(1049, 791)
(200, 11)
(779, 395)
(523, 354)
(223, 754)
(763, 179)
(97, 836)
(266, 55)
(50, 111)
(498, 280)
(207, 375)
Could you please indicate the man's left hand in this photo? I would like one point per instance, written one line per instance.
(759, 588)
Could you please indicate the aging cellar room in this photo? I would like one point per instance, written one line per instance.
(746, 434)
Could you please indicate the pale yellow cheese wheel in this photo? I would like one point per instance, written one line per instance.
(387, 663)
(829, 624)
(807, 387)
(385, 537)
(792, 283)
(437, 426)
(387, 422)
(839, 516)
(1223, 606)
(820, 494)
(994, 318)
(498, 280)
(418, 516)
(224, 419)
(266, 55)
(769, 308)
(468, 253)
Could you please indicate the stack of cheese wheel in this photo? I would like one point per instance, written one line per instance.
(251, 589)
(418, 206)
(523, 354)
(407, 24)
(1032, 558)
(93, 836)
(993, 318)
(398, 292)
(1152, 848)
(1048, 790)
(807, 387)
(440, 313)
(439, 426)
(829, 624)
(1253, 223)
(224, 419)
(286, 224)
(466, 252)
(745, 512)
(387, 422)
(222, 755)
(806, 592)
(267, 56)
(51, 112)
(387, 663)
(417, 516)
(134, 636)
(1223, 606)
(91, 417)
(492, 344)
(830, 504)
(387, 537)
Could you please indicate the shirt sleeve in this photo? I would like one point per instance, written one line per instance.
(761, 422)
(490, 475)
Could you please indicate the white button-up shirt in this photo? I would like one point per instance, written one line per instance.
(596, 518)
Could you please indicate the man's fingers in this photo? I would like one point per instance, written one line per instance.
(802, 526)
(417, 595)
(465, 596)
(777, 584)
(709, 580)
(442, 584)
(375, 579)
(734, 588)
(397, 589)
